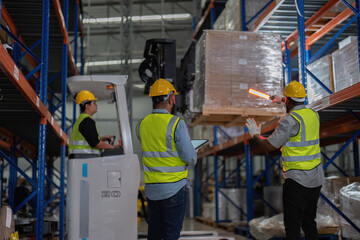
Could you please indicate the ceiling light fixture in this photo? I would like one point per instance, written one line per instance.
(145, 18)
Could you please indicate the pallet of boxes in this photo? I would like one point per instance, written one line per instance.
(344, 193)
(228, 64)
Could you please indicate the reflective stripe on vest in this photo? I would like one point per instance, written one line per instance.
(302, 152)
(161, 161)
(78, 144)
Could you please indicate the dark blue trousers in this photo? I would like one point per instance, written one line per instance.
(167, 216)
(300, 204)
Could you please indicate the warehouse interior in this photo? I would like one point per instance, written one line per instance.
(213, 52)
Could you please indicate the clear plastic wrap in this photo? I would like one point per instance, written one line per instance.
(350, 205)
(233, 12)
(346, 66)
(233, 212)
(220, 22)
(322, 69)
(228, 63)
(232, 15)
(273, 196)
(266, 228)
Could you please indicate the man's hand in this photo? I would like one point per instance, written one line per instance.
(278, 99)
(253, 127)
(109, 138)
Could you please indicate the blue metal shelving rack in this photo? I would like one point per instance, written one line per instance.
(32, 99)
(344, 100)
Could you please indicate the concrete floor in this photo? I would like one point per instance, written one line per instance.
(191, 224)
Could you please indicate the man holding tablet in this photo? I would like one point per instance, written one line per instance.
(167, 151)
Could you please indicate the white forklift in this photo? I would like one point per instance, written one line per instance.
(102, 192)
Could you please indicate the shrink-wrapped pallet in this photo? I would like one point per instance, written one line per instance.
(346, 66)
(350, 206)
(323, 71)
(331, 190)
(228, 63)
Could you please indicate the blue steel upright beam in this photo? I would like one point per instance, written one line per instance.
(243, 15)
(63, 122)
(249, 182)
(12, 178)
(301, 43)
(42, 125)
(287, 63)
(216, 180)
(76, 29)
(356, 157)
(268, 174)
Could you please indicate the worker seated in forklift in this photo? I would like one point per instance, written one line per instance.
(85, 140)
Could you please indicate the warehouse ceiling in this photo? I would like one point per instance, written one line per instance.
(107, 39)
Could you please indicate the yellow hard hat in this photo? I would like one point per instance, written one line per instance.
(294, 89)
(85, 96)
(161, 87)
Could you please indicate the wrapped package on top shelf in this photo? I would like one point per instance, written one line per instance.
(232, 15)
(346, 66)
(323, 70)
(228, 63)
(350, 206)
(220, 23)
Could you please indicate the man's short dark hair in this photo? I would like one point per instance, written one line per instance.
(158, 99)
(83, 106)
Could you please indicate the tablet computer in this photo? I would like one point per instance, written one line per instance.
(198, 142)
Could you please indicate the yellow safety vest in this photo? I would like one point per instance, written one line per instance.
(302, 152)
(161, 161)
(78, 144)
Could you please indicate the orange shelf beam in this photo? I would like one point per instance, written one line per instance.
(10, 69)
(10, 23)
(64, 32)
(8, 140)
(266, 15)
(330, 26)
(312, 20)
(202, 20)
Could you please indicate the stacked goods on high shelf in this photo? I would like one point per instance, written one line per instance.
(230, 17)
(350, 205)
(228, 64)
(323, 71)
(346, 65)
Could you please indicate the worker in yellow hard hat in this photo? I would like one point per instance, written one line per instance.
(297, 136)
(167, 151)
(85, 141)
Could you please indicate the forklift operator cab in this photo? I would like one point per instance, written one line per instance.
(102, 192)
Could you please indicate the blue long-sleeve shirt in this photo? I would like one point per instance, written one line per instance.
(187, 153)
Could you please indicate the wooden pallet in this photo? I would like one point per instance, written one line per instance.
(233, 116)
